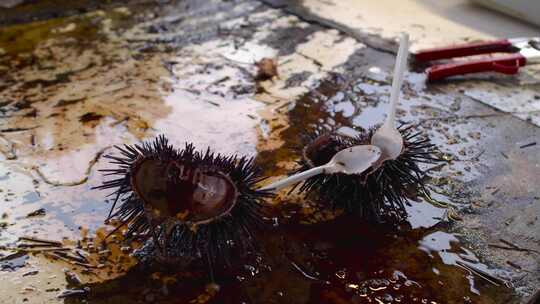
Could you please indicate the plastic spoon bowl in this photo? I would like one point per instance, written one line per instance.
(353, 160)
(387, 137)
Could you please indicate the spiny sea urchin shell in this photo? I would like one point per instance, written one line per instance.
(193, 204)
(379, 194)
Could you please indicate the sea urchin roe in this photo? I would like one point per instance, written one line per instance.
(189, 194)
(322, 149)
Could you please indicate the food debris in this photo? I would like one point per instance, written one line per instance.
(38, 212)
(528, 145)
(73, 293)
(267, 69)
(30, 273)
(67, 102)
(90, 116)
(72, 278)
(42, 241)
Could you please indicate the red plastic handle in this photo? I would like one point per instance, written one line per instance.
(506, 65)
(462, 50)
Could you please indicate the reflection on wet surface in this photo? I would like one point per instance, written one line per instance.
(335, 262)
(85, 87)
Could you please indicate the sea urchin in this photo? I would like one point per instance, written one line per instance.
(192, 204)
(378, 194)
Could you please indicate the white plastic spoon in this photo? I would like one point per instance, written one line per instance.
(353, 160)
(387, 137)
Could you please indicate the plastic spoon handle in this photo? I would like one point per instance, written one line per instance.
(293, 179)
(399, 71)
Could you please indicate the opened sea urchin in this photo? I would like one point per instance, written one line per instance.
(192, 204)
(380, 193)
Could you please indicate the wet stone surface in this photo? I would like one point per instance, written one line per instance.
(73, 86)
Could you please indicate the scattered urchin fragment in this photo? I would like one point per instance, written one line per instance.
(380, 193)
(190, 204)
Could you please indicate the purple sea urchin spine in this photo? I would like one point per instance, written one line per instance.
(380, 193)
(193, 204)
